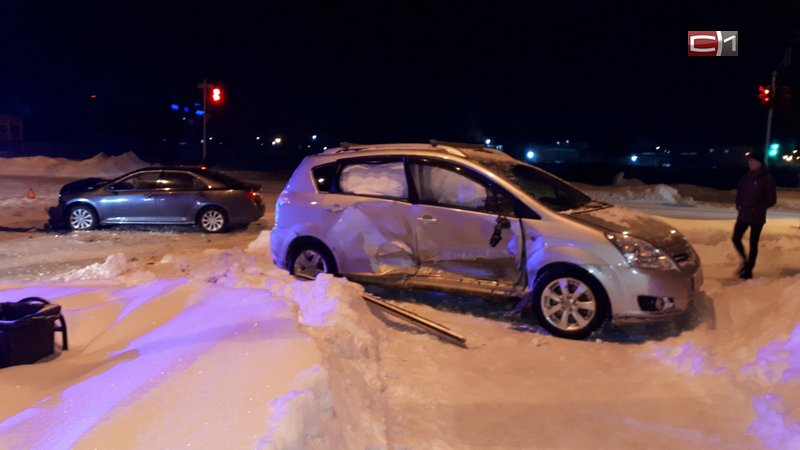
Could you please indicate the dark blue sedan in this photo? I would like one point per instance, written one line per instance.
(162, 196)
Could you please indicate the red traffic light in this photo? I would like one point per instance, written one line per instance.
(764, 95)
(216, 95)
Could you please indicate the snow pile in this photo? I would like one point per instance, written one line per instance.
(100, 165)
(116, 266)
(348, 336)
(260, 244)
(110, 166)
(657, 193)
(620, 180)
(755, 346)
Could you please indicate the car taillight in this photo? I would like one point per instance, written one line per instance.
(254, 197)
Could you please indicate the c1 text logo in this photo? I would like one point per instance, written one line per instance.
(713, 43)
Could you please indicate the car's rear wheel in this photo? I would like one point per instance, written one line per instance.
(82, 217)
(309, 260)
(213, 220)
(569, 303)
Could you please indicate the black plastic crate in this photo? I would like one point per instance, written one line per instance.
(27, 330)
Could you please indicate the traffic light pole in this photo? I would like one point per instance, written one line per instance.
(205, 119)
(769, 118)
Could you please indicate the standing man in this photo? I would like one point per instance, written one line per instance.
(756, 193)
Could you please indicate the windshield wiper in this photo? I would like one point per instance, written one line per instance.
(593, 205)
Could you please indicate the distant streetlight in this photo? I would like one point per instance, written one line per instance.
(634, 158)
(488, 141)
(258, 138)
(313, 137)
(530, 154)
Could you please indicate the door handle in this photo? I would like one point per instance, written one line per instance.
(427, 219)
(335, 208)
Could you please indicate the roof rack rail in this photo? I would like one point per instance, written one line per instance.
(435, 142)
(350, 147)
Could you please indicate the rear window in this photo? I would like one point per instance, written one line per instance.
(375, 179)
(219, 177)
(178, 180)
(323, 177)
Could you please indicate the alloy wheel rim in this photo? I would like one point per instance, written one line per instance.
(81, 219)
(568, 304)
(310, 263)
(212, 220)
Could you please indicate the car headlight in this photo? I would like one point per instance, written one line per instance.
(641, 254)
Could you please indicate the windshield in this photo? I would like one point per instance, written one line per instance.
(548, 189)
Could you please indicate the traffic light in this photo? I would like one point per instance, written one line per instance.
(773, 150)
(764, 95)
(216, 95)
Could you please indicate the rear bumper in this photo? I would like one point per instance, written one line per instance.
(279, 240)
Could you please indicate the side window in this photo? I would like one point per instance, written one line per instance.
(323, 177)
(147, 180)
(448, 187)
(376, 179)
(177, 180)
(501, 203)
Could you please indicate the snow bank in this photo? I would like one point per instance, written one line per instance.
(656, 193)
(100, 165)
(348, 336)
(116, 266)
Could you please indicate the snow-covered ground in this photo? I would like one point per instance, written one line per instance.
(181, 339)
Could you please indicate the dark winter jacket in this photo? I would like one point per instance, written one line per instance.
(755, 194)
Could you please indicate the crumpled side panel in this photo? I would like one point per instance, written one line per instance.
(374, 237)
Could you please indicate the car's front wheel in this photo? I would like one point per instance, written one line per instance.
(212, 220)
(569, 303)
(82, 217)
(307, 261)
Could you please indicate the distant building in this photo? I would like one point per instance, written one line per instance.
(692, 156)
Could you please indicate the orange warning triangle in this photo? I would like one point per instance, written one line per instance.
(31, 194)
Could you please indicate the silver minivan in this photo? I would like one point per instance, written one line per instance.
(470, 219)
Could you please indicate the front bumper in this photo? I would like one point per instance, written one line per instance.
(633, 292)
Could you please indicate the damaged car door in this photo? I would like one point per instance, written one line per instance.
(468, 237)
(366, 217)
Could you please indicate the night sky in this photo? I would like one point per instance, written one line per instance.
(608, 73)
